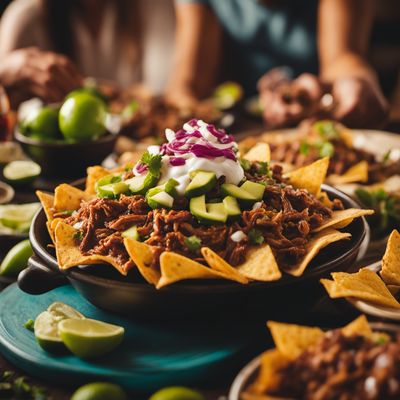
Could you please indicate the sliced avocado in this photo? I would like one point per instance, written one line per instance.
(231, 206)
(131, 233)
(158, 198)
(255, 189)
(228, 189)
(202, 182)
(208, 213)
(142, 183)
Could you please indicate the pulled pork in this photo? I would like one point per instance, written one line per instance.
(284, 221)
(343, 367)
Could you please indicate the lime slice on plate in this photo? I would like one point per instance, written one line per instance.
(100, 391)
(16, 259)
(88, 338)
(46, 325)
(177, 393)
(18, 216)
(23, 171)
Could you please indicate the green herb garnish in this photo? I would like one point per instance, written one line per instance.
(245, 164)
(256, 236)
(78, 235)
(327, 130)
(153, 162)
(29, 324)
(66, 212)
(304, 148)
(325, 149)
(193, 243)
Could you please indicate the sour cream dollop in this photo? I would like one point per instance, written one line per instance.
(198, 146)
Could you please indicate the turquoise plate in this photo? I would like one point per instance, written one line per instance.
(153, 355)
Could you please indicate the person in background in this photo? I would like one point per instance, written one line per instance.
(322, 43)
(48, 46)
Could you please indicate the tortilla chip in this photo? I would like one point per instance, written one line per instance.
(357, 173)
(394, 289)
(47, 201)
(310, 177)
(142, 255)
(325, 200)
(260, 152)
(217, 263)
(390, 272)
(68, 198)
(364, 285)
(291, 340)
(359, 326)
(317, 243)
(343, 218)
(260, 265)
(93, 175)
(175, 267)
(69, 255)
(51, 227)
(269, 377)
(346, 135)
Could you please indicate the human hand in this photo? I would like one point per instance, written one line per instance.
(358, 103)
(285, 102)
(31, 72)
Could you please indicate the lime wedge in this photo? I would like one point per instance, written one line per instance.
(88, 338)
(18, 216)
(16, 259)
(46, 325)
(20, 172)
(100, 391)
(177, 393)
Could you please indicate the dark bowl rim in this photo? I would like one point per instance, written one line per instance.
(241, 380)
(180, 287)
(105, 138)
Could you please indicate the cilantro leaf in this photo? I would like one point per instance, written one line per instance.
(263, 168)
(193, 243)
(304, 148)
(153, 162)
(256, 236)
(327, 130)
(78, 235)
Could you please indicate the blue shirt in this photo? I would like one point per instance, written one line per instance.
(259, 37)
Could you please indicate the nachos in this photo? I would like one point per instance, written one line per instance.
(192, 208)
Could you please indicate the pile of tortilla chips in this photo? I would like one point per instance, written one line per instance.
(358, 173)
(367, 285)
(260, 264)
(291, 341)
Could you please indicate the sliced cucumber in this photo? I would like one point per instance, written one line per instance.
(113, 189)
(255, 189)
(202, 182)
(142, 183)
(232, 206)
(131, 233)
(21, 172)
(208, 213)
(228, 189)
(104, 186)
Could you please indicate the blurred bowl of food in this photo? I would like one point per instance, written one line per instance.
(64, 139)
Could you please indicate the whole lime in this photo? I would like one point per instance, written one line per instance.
(82, 117)
(177, 393)
(100, 391)
(41, 123)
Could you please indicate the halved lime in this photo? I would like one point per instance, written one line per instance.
(100, 391)
(16, 259)
(46, 325)
(88, 338)
(18, 216)
(177, 393)
(20, 172)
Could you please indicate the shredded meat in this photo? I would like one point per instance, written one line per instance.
(343, 367)
(284, 221)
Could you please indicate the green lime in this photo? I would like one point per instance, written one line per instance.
(21, 172)
(88, 338)
(92, 90)
(46, 325)
(41, 123)
(16, 259)
(18, 216)
(82, 117)
(100, 391)
(177, 393)
(227, 94)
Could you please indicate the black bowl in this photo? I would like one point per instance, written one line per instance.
(66, 160)
(106, 288)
